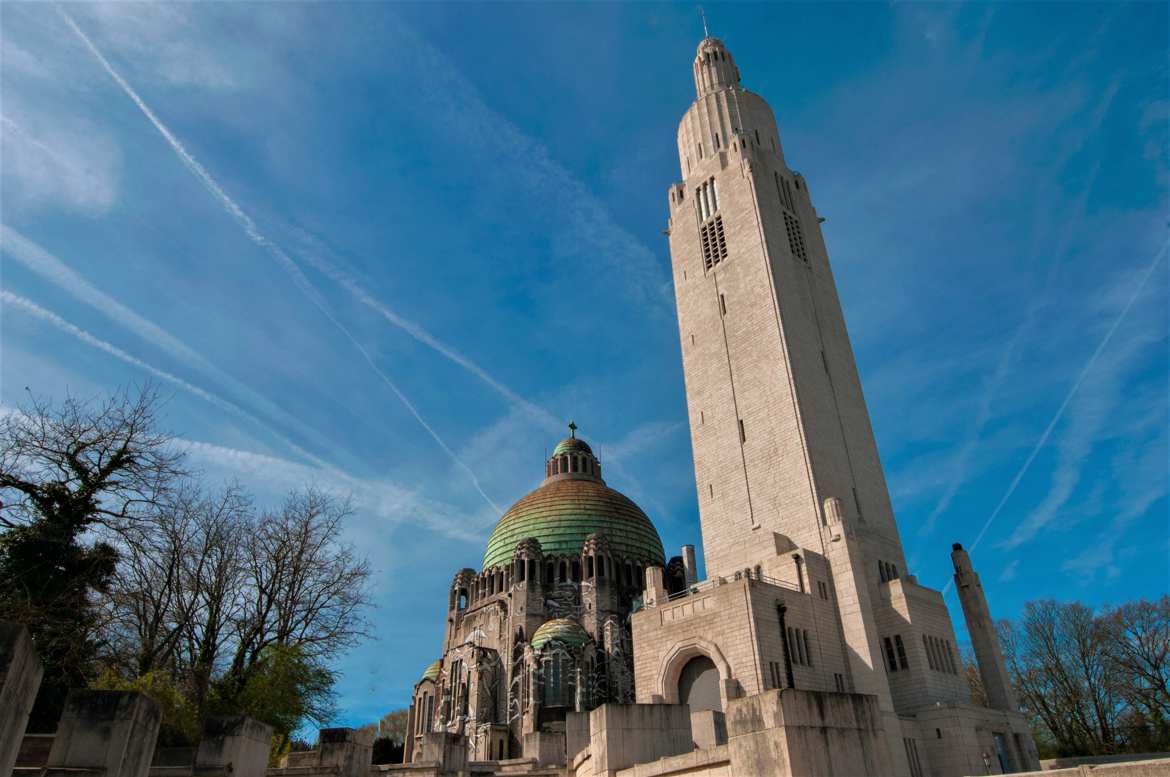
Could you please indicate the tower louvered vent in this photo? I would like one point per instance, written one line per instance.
(710, 224)
(713, 241)
(795, 237)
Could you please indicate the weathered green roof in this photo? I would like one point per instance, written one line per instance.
(571, 445)
(562, 513)
(432, 671)
(567, 631)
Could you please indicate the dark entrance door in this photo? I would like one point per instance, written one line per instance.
(698, 685)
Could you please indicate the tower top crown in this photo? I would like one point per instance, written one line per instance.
(714, 68)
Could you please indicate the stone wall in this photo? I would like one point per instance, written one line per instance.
(1157, 768)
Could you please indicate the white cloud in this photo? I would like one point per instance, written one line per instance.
(57, 163)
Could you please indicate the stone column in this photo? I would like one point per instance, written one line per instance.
(234, 743)
(348, 749)
(982, 630)
(111, 732)
(690, 564)
(655, 591)
(20, 677)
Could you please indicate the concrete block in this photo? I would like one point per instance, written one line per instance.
(808, 732)
(110, 732)
(448, 751)
(20, 677)
(621, 735)
(349, 750)
(547, 747)
(576, 735)
(708, 729)
(235, 743)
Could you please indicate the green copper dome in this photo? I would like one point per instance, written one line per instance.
(571, 445)
(432, 672)
(563, 512)
(572, 503)
(562, 629)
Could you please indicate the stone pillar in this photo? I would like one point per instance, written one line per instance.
(348, 749)
(982, 630)
(234, 743)
(655, 591)
(690, 565)
(110, 732)
(20, 677)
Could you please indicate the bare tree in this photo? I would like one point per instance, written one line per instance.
(82, 462)
(304, 587)
(1138, 649)
(1057, 656)
(177, 587)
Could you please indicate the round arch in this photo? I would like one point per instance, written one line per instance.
(673, 661)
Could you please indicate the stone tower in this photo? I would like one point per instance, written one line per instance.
(778, 421)
(790, 485)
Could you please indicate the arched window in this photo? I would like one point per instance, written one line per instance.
(520, 570)
(555, 668)
(589, 567)
(549, 571)
(462, 599)
(564, 572)
(575, 570)
(532, 569)
(601, 566)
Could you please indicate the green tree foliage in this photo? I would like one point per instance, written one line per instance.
(180, 717)
(284, 687)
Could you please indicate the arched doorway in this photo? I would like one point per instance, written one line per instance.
(698, 685)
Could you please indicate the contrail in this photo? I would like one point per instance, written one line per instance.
(275, 251)
(384, 492)
(48, 316)
(1068, 398)
(426, 338)
(48, 266)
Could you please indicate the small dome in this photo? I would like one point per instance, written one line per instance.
(563, 630)
(572, 445)
(432, 671)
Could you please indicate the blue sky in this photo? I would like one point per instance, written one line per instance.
(392, 249)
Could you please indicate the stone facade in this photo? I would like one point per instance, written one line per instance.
(807, 604)
(543, 629)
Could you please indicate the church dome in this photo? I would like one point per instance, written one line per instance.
(572, 503)
(432, 671)
(571, 633)
(572, 445)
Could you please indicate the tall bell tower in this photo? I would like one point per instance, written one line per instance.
(778, 421)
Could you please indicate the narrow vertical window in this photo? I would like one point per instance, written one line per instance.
(795, 237)
(901, 651)
(891, 661)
